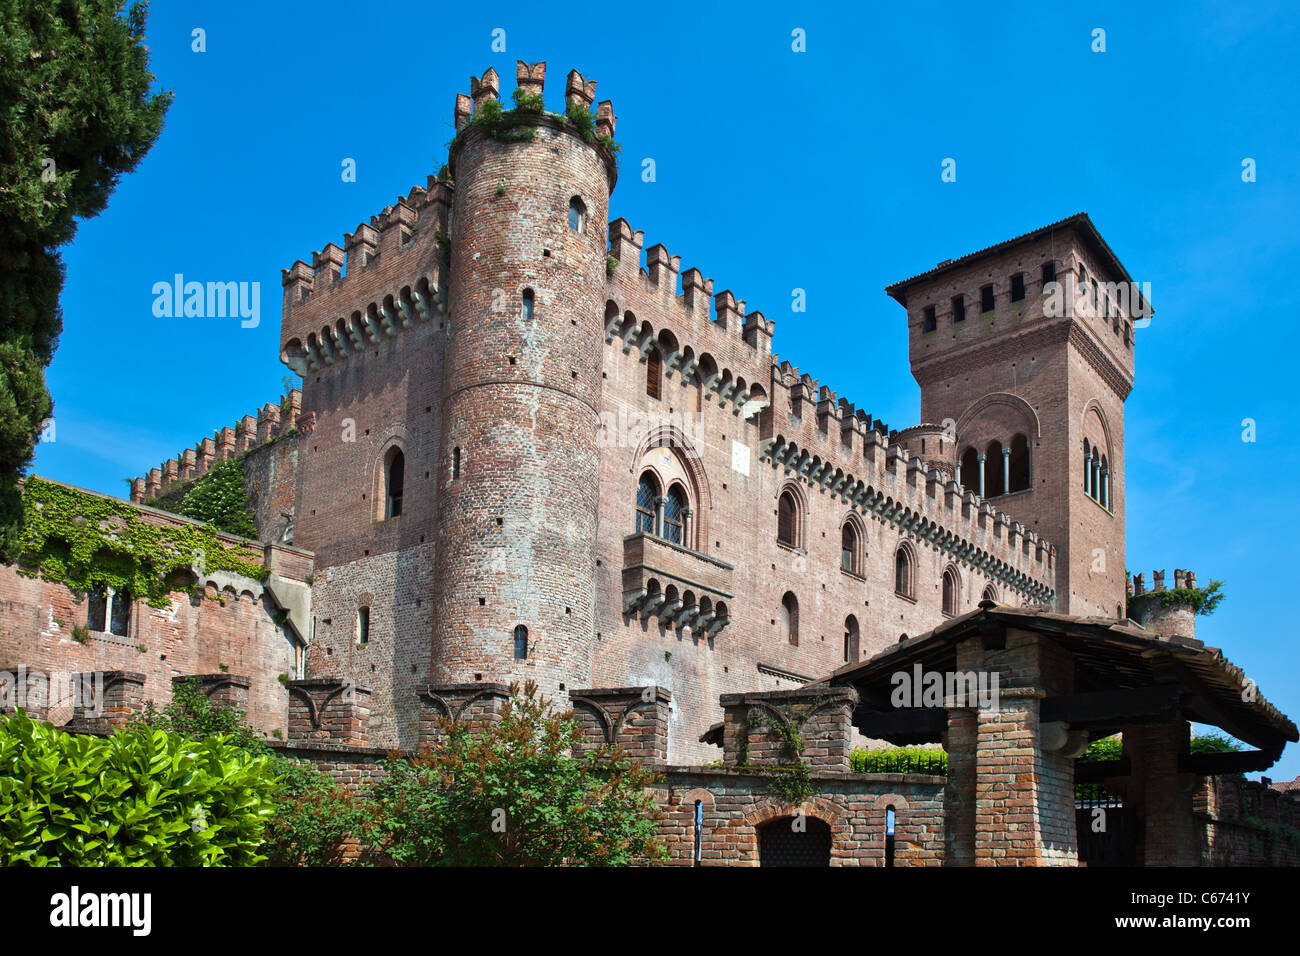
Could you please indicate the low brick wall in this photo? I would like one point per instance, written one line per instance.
(736, 805)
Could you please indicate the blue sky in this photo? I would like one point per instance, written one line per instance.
(775, 170)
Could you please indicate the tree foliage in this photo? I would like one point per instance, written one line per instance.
(219, 497)
(514, 794)
(77, 112)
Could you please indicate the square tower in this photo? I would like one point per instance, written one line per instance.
(1024, 354)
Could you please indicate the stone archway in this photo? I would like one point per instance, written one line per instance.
(794, 841)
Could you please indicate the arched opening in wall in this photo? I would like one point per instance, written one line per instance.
(674, 515)
(521, 642)
(363, 626)
(851, 640)
(787, 520)
(654, 373)
(577, 215)
(970, 470)
(890, 819)
(849, 549)
(757, 404)
(1103, 473)
(1019, 477)
(455, 464)
(790, 618)
(394, 478)
(951, 590)
(794, 841)
(1087, 467)
(708, 376)
(903, 572)
(526, 308)
(647, 490)
(990, 594)
(995, 473)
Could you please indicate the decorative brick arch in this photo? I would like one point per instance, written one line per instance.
(688, 798)
(692, 463)
(1093, 405)
(824, 810)
(1014, 403)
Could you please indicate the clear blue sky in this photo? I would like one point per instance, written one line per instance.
(775, 170)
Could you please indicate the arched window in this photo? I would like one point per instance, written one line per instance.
(673, 517)
(970, 470)
(109, 611)
(851, 640)
(394, 467)
(790, 618)
(647, 490)
(1103, 473)
(849, 548)
(455, 463)
(577, 215)
(951, 590)
(654, 368)
(363, 625)
(1087, 467)
(787, 520)
(527, 309)
(994, 470)
(521, 642)
(990, 594)
(1019, 478)
(903, 572)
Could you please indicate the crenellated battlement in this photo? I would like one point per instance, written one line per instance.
(388, 275)
(272, 420)
(1137, 587)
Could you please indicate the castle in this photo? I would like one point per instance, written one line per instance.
(521, 453)
(527, 447)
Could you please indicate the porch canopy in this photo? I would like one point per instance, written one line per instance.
(1124, 675)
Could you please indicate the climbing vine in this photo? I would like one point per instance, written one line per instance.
(791, 783)
(87, 542)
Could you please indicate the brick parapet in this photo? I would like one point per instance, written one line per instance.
(332, 709)
(635, 719)
(759, 727)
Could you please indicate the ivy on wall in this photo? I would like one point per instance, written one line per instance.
(86, 542)
(218, 497)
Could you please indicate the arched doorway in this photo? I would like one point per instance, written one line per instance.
(794, 841)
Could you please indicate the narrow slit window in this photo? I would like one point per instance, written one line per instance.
(527, 305)
(521, 642)
(363, 625)
(959, 308)
(986, 299)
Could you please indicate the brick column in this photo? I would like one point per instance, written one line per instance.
(633, 718)
(105, 700)
(1010, 796)
(1160, 795)
(331, 709)
(821, 715)
(222, 690)
(476, 704)
(25, 687)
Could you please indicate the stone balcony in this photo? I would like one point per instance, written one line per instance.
(680, 587)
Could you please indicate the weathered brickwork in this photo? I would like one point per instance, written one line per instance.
(233, 625)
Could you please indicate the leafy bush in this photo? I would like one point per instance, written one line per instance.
(191, 714)
(513, 795)
(313, 817)
(142, 797)
(219, 497)
(1112, 748)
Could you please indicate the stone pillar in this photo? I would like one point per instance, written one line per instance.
(1160, 795)
(105, 700)
(1105, 487)
(222, 690)
(688, 528)
(1009, 800)
(981, 461)
(476, 704)
(661, 502)
(758, 727)
(329, 708)
(1006, 471)
(1087, 474)
(633, 718)
(26, 688)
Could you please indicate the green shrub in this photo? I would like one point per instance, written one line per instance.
(313, 817)
(219, 497)
(142, 797)
(513, 795)
(927, 760)
(190, 714)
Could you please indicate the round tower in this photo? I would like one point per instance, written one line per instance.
(518, 484)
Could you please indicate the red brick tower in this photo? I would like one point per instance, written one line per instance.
(1024, 354)
(518, 481)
